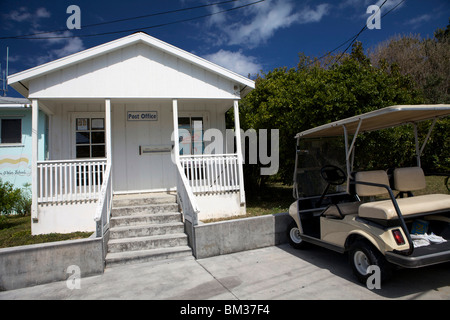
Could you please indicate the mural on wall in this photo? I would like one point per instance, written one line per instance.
(15, 169)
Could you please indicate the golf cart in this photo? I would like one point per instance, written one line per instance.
(344, 210)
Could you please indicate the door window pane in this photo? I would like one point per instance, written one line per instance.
(83, 152)
(98, 137)
(90, 138)
(82, 137)
(98, 151)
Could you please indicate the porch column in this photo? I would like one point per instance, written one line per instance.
(108, 132)
(237, 128)
(34, 158)
(176, 148)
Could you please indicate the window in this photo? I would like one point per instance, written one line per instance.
(11, 131)
(191, 135)
(90, 137)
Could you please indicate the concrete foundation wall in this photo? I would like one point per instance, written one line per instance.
(212, 239)
(30, 265)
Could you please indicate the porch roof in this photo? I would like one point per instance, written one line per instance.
(11, 102)
(20, 81)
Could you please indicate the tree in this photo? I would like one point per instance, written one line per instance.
(296, 99)
(427, 61)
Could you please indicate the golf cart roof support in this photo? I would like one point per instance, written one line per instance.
(349, 150)
(416, 137)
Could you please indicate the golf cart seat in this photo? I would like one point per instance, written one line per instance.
(406, 179)
(342, 209)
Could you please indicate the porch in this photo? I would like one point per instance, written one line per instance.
(76, 194)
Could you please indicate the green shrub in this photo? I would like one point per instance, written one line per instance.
(14, 200)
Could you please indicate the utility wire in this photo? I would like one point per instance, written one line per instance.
(124, 19)
(32, 37)
(354, 37)
(357, 35)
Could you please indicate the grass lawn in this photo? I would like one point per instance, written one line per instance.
(16, 231)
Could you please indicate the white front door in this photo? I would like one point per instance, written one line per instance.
(142, 148)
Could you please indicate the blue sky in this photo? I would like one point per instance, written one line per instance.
(261, 36)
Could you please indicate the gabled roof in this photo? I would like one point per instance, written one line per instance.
(19, 80)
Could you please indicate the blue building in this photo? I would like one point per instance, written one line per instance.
(15, 140)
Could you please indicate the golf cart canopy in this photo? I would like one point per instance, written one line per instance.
(378, 119)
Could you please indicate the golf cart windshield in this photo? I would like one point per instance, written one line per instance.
(313, 155)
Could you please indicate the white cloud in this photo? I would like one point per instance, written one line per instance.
(310, 15)
(260, 21)
(42, 13)
(71, 45)
(18, 15)
(235, 61)
(30, 22)
(23, 15)
(418, 20)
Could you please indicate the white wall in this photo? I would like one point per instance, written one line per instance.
(213, 206)
(138, 71)
(65, 218)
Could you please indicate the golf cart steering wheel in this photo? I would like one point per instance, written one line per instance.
(333, 175)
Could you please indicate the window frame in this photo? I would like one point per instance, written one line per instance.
(74, 130)
(205, 126)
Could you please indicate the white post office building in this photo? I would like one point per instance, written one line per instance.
(113, 111)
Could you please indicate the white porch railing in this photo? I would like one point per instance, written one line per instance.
(103, 211)
(211, 173)
(70, 180)
(186, 198)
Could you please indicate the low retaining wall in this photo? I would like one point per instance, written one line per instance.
(212, 239)
(30, 265)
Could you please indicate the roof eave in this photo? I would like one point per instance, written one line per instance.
(18, 80)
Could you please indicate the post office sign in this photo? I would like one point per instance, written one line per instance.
(142, 116)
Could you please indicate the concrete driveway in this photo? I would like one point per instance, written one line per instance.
(271, 273)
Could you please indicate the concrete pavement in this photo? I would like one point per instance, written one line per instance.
(271, 273)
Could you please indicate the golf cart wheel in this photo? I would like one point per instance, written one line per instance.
(294, 236)
(362, 255)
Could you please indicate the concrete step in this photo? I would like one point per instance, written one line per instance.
(145, 230)
(119, 258)
(145, 243)
(127, 200)
(144, 219)
(143, 209)
(145, 227)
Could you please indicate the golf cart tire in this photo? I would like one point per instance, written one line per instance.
(363, 254)
(294, 236)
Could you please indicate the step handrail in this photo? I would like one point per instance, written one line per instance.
(103, 210)
(186, 197)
